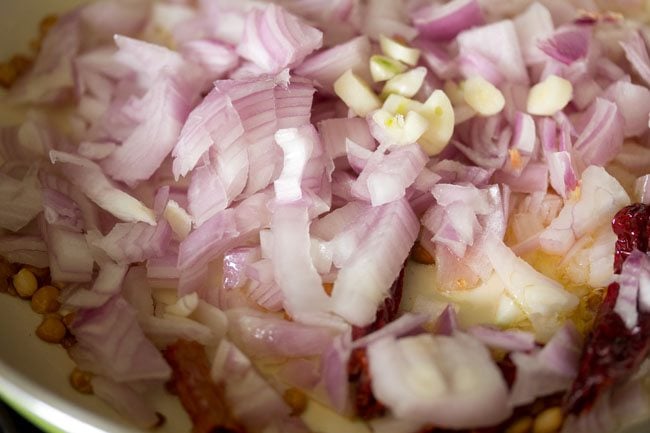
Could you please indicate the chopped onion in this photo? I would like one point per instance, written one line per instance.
(532, 291)
(29, 250)
(325, 66)
(444, 22)
(94, 184)
(568, 44)
(602, 136)
(451, 381)
(304, 297)
(274, 39)
(502, 50)
(366, 275)
(125, 401)
(21, 198)
(637, 54)
(110, 342)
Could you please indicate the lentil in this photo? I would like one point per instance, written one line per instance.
(421, 255)
(522, 425)
(45, 300)
(51, 329)
(296, 399)
(81, 381)
(25, 283)
(548, 421)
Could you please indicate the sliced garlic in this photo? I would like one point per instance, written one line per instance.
(184, 306)
(483, 96)
(398, 104)
(398, 51)
(178, 218)
(384, 68)
(406, 84)
(454, 92)
(437, 109)
(549, 96)
(438, 112)
(400, 129)
(356, 93)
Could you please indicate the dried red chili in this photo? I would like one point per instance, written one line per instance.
(612, 352)
(200, 396)
(366, 405)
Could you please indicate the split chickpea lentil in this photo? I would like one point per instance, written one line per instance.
(44, 300)
(81, 381)
(51, 329)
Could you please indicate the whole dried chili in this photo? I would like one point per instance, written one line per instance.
(365, 403)
(612, 352)
(201, 397)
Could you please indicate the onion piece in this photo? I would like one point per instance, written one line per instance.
(28, 250)
(568, 44)
(601, 196)
(165, 330)
(365, 277)
(267, 336)
(89, 177)
(532, 26)
(386, 17)
(502, 50)
(602, 136)
(335, 132)
(214, 233)
(451, 381)
(334, 370)
(297, 145)
(406, 324)
(111, 343)
(633, 288)
(509, 340)
(642, 189)
(304, 297)
(444, 22)
(562, 174)
(136, 290)
(214, 57)
(637, 54)
(126, 401)
(325, 66)
(262, 288)
(549, 370)
(249, 395)
(70, 256)
(535, 293)
(51, 76)
(21, 198)
(633, 103)
(274, 39)
(135, 242)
